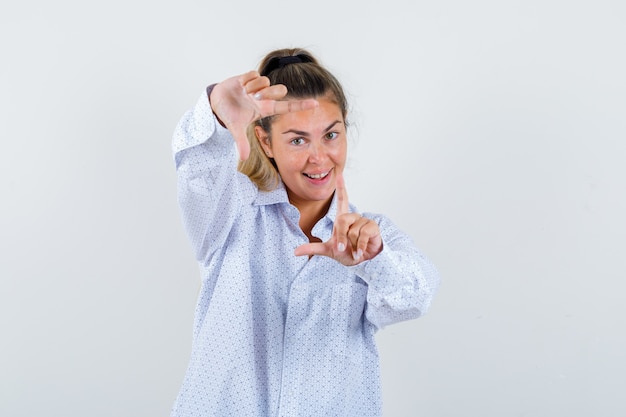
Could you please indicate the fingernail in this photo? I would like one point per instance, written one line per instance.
(358, 255)
(341, 246)
(257, 96)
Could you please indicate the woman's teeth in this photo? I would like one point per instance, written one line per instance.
(317, 176)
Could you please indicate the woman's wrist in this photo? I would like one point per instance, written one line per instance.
(209, 90)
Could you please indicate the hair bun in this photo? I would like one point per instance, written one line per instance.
(282, 58)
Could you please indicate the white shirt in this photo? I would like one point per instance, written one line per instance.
(276, 334)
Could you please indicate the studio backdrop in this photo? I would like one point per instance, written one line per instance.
(493, 132)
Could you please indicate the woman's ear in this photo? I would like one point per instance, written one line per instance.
(264, 140)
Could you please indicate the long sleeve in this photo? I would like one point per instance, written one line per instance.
(401, 280)
(210, 189)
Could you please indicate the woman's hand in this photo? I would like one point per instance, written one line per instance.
(355, 238)
(241, 100)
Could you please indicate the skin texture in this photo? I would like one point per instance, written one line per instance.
(309, 145)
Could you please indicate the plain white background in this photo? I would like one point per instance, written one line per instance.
(493, 132)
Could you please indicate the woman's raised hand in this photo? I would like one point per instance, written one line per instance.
(241, 100)
(355, 238)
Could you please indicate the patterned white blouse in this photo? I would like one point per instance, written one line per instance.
(275, 334)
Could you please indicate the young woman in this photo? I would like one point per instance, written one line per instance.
(295, 281)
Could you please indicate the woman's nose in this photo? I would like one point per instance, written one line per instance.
(316, 152)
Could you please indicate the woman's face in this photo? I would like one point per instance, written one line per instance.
(309, 148)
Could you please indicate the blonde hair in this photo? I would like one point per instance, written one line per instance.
(304, 78)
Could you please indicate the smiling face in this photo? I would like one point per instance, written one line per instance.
(309, 148)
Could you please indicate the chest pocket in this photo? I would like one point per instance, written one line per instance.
(347, 312)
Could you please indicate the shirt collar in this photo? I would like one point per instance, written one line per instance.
(275, 196)
(323, 228)
(279, 195)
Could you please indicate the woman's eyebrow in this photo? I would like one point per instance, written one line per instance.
(297, 132)
(302, 133)
(332, 125)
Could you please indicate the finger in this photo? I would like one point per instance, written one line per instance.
(257, 84)
(315, 248)
(343, 206)
(267, 92)
(355, 231)
(341, 227)
(247, 77)
(289, 106)
(368, 232)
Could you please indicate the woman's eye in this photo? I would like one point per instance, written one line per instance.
(331, 135)
(297, 141)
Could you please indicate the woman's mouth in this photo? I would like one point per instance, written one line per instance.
(317, 176)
